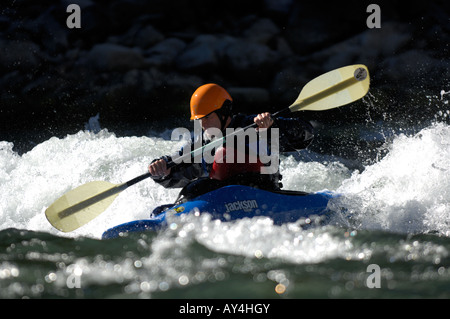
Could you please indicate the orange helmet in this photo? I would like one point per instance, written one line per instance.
(206, 99)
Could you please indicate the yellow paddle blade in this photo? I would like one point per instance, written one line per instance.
(82, 204)
(333, 89)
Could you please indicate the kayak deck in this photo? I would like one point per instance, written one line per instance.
(235, 202)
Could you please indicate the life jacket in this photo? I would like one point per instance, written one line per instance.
(222, 170)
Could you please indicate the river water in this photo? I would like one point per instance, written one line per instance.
(396, 216)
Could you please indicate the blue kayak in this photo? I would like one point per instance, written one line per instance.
(235, 202)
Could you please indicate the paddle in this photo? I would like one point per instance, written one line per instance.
(330, 90)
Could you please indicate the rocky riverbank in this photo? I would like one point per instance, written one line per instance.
(140, 60)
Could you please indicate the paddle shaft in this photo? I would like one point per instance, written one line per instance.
(193, 153)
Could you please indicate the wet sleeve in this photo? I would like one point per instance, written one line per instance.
(295, 133)
(181, 174)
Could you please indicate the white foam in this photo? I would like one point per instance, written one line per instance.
(31, 182)
(408, 190)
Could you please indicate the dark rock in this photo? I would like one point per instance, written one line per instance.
(164, 53)
(113, 57)
(53, 34)
(251, 63)
(262, 31)
(142, 37)
(199, 55)
(413, 67)
(287, 85)
(282, 6)
(147, 36)
(249, 99)
(21, 55)
(368, 47)
(132, 58)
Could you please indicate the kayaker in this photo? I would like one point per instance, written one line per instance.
(212, 105)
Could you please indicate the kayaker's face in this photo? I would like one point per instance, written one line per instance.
(210, 120)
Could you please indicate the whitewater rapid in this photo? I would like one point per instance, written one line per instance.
(406, 191)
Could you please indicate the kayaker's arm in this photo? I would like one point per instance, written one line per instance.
(263, 120)
(179, 175)
(295, 133)
(158, 168)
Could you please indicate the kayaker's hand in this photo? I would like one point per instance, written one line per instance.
(159, 168)
(263, 120)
